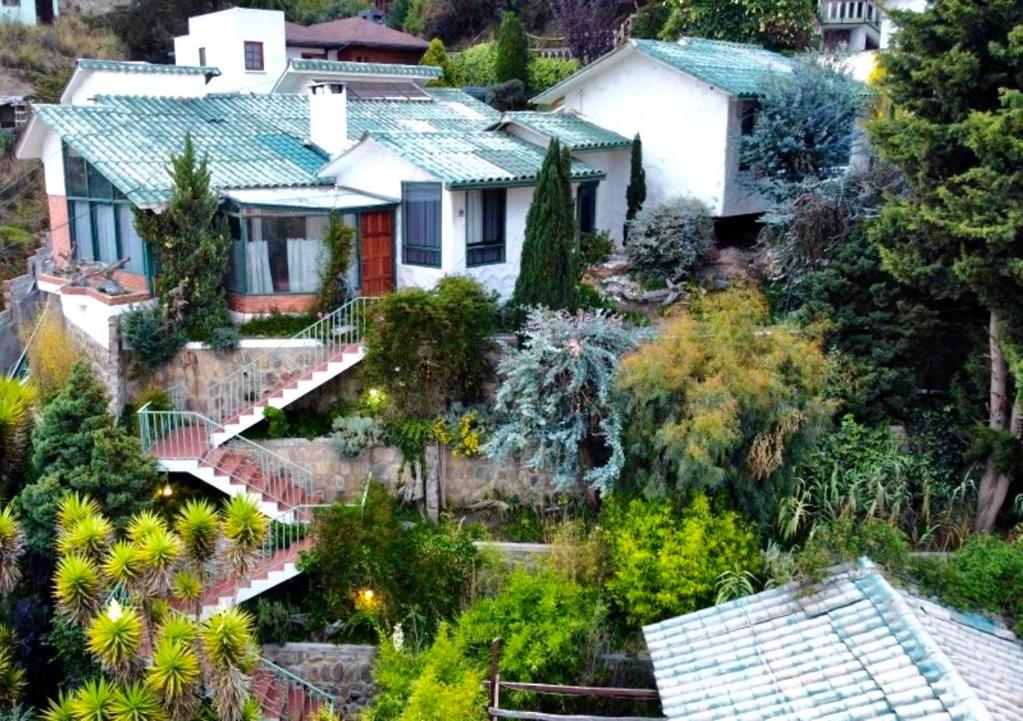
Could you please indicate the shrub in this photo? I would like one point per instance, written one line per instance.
(545, 73)
(276, 325)
(512, 58)
(354, 434)
(437, 56)
(544, 621)
(847, 540)
(52, 353)
(667, 564)
(476, 65)
(276, 422)
(154, 341)
(273, 621)
(554, 405)
(595, 248)
(668, 241)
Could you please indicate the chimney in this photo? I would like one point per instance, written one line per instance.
(328, 117)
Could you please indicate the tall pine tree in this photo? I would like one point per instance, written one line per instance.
(512, 61)
(635, 194)
(954, 78)
(548, 272)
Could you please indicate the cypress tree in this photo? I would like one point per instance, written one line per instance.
(437, 55)
(548, 270)
(512, 60)
(635, 194)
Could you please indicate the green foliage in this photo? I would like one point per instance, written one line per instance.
(549, 266)
(595, 248)
(277, 422)
(276, 325)
(416, 574)
(396, 15)
(66, 639)
(777, 24)
(354, 434)
(512, 61)
(153, 340)
(477, 65)
(192, 250)
(861, 473)
(665, 563)
(16, 403)
(437, 56)
(847, 540)
(543, 73)
(635, 193)
(63, 440)
(648, 21)
(668, 241)
(427, 348)
(555, 406)
(803, 128)
(722, 400)
(273, 621)
(417, 17)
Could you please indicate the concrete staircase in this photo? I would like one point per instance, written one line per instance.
(286, 697)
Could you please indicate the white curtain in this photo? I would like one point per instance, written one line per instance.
(82, 223)
(473, 217)
(304, 262)
(131, 243)
(106, 233)
(258, 266)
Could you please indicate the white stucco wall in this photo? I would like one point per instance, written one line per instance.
(87, 84)
(224, 34)
(611, 205)
(738, 199)
(683, 123)
(53, 165)
(23, 12)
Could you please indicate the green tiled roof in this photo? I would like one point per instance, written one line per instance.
(252, 141)
(572, 131)
(736, 68)
(467, 160)
(121, 66)
(451, 111)
(336, 66)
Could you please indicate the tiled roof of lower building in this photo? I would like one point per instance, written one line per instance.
(125, 66)
(451, 110)
(466, 160)
(854, 647)
(350, 67)
(572, 131)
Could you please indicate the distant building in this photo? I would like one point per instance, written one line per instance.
(14, 111)
(29, 12)
(362, 39)
(858, 25)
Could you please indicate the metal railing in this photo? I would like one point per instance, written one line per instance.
(310, 697)
(321, 342)
(187, 435)
(848, 12)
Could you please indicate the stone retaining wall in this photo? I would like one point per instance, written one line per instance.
(466, 481)
(345, 671)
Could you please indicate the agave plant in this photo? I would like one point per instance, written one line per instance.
(94, 701)
(115, 638)
(73, 508)
(231, 654)
(198, 527)
(12, 543)
(90, 536)
(245, 528)
(174, 677)
(135, 702)
(77, 587)
(159, 550)
(60, 708)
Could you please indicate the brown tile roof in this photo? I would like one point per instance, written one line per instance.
(350, 31)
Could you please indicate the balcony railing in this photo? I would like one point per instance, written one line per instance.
(848, 12)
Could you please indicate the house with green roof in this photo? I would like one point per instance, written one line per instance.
(691, 101)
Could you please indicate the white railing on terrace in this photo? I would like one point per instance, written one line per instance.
(310, 348)
(848, 12)
(187, 435)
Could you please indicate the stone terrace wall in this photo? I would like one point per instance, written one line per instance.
(466, 480)
(345, 671)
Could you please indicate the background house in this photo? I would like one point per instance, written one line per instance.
(29, 12)
(691, 102)
(354, 38)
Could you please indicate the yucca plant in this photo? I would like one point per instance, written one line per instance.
(77, 587)
(174, 677)
(90, 536)
(159, 550)
(251, 710)
(177, 627)
(60, 708)
(123, 565)
(73, 508)
(136, 702)
(93, 701)
(188, 587)
(199, 528)
(143, 523)
(115, 638)
(245, 528)
(12, 543)
(12, 678)
(231, 655)
(16, 400)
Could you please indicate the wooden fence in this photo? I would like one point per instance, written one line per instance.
(495, 685)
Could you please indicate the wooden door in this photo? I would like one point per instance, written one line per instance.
(377, 246)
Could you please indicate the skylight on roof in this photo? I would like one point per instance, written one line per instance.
(386, 91)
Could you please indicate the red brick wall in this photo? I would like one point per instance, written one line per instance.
(298, 303)
(132, 281)
(60, 231)
(380, 55)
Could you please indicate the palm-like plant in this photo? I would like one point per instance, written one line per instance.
(16, 401)
(115, 638)
(198, 527)
(174, 677)
(77, 587)
(143, 524)
(231, 654)
(178, 628)
(136, 702)
(159, 550)
(123, 565)
(187, 587)
(89, 536)
(245, 528)
(73, 508)
(94, 701)
(12, 543)
(60, 708)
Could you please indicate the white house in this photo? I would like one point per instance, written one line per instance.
(28, 12)
(861, 25)
(690, 101)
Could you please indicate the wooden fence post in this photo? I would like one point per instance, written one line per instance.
(495, 676)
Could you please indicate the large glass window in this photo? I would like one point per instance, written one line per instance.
(421, 230)
(586, 200)
(484, 226)
(101, 219)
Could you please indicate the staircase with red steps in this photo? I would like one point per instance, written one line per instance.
(286, 697)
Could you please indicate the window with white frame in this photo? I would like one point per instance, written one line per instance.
(485, 226)
(421, 224)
